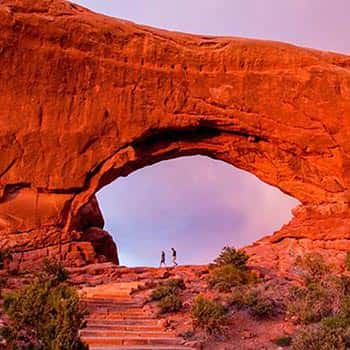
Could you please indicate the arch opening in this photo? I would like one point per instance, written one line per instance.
(194, 203)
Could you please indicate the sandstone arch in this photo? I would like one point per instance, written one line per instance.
(85, 98)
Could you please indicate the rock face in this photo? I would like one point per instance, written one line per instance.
(86, 98)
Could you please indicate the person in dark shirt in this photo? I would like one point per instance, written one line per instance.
(162, 259)
(174, 257)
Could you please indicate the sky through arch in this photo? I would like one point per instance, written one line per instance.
(196, 204)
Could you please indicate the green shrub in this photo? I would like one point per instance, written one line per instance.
(167, 295)
(258, 305)
(313, 266)
(253, 300)
(55, 270)
(283, 341)
(337, 321)
(324, 299)
(172, 286)
(161, 292)
(45, 315)
(187, 335)
(224, 278)
(311, 303)
(170, 303)
(208, 315)
(232, 256)
(238, 297)
(176, 284)
(319, 337)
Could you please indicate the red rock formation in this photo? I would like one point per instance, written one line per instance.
(86, 98)
(102, 242)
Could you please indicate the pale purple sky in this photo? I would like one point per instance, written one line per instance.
(197, 204)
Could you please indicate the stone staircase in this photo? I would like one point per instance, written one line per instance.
(117, 320)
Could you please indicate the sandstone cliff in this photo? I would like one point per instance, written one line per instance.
(85, 99)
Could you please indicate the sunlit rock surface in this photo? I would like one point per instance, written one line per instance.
(86, 98)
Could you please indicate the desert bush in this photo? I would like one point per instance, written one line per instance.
(187, 335)
(324, 294)
(176, 284)
(340, 319)
(311, 303)
(254, 301)
(45, 315)
(224, 278)
(342, 283)
(334, 322)
(232, 256)
(325, 299)
(167, 295)
(6, 256)
(320, 337)
(161, 292)
(333, 332)
(283, 341)
(258, 305)
(237, 297)
(170, 303)
(313, 266)
(55, 270)
(172, 286)
(208, 315)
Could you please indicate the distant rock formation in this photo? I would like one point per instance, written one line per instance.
(85, 99)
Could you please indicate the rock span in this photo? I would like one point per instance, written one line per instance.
(85, 99)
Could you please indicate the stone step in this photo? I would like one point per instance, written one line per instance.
(121, 306)
(132, 341)
(126, 322)
(140, 347)
(109, 300)
(103, 296)
(117, 321)
(113, 304)
(123, 327)
(129, 333)
(119, 316)
(126, 303)
(107, 311)
(120, 294)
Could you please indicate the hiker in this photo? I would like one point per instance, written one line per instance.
(174, 257)
(162, 259)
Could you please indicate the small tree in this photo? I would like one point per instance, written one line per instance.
(230, 270)
(46, 314)
(232, 256)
